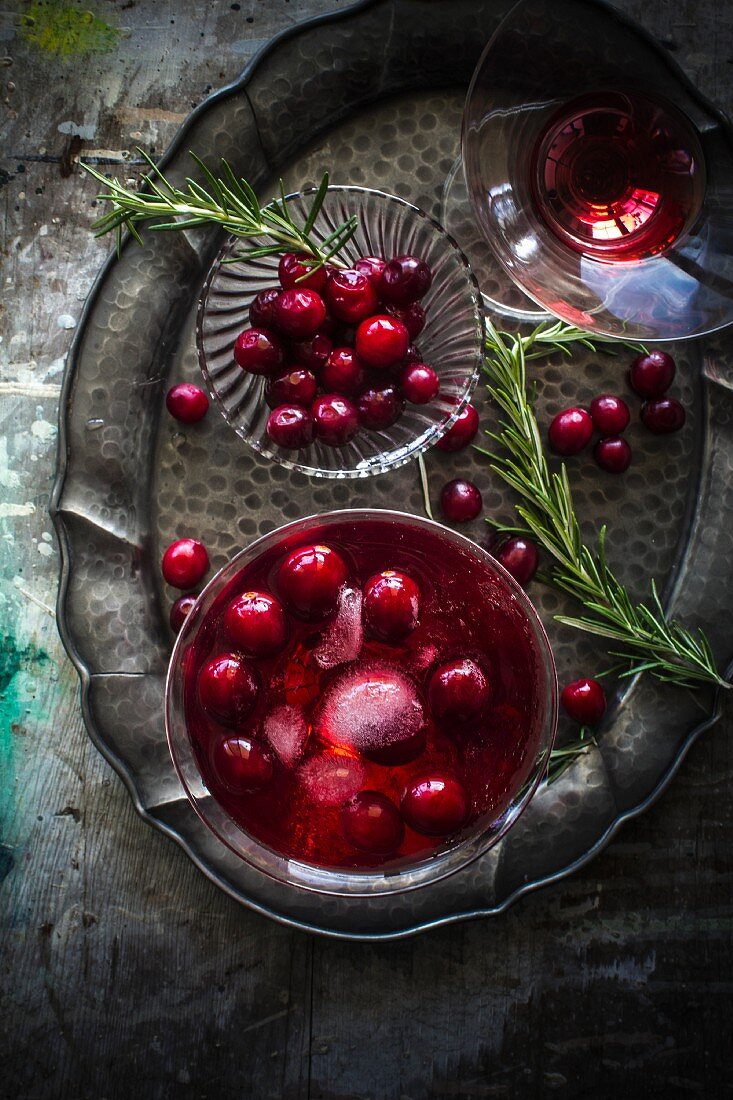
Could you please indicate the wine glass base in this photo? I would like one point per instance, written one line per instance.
(501, 296)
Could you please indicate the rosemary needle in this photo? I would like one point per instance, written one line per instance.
(226, 201)
(640, 633)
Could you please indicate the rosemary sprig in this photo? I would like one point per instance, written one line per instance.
(641, 633)
(562, 757)
(229, 203)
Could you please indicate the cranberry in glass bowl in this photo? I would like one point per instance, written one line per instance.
(368, 755)
(435, 286)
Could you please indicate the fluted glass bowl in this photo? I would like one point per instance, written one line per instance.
(451, 342)
(500, 591)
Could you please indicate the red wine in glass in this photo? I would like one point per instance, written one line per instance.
(618, 176)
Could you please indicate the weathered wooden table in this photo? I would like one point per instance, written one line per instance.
(123, 971)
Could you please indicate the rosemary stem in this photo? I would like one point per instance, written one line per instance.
(650, 641)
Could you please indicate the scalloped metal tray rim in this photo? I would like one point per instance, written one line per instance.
(65, 568)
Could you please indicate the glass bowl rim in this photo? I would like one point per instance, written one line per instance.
(344, 882)
(403, 454)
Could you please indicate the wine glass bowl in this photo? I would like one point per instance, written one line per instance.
(600, 178)
(451, 341)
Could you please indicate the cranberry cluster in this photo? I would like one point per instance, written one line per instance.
(310, 584)
(650, 376)
(335, 347)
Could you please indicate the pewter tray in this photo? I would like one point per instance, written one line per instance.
(375, 94)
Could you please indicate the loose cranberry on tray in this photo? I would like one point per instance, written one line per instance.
(187, 403)
(652, 374)
(570, 431)
(185, 563)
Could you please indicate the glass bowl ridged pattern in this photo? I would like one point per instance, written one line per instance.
(451, 341)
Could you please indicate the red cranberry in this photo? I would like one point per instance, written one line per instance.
(312, 353)
(663, 415)
(299, 313)
(343, 373)
(296, 386)
(228, 688)
(458, 691)
(461, 431)
(412, 317)
(610, 414)
(460, 501)
(241, 765)
(258, 351)
(260, 311)
(391, 605)
(420, 383)
(413, 355)
(372, 822)
(405, 279)
(570, 431)
(436, 804)
(651, 375)
(613, 454)
(187, 403)
(290, 427)
(382, 341)
(291, 271)
(335, 419)
(380, 409)
(371, 266)
(350, 296)
(310, 579)
(584, 701)
(256, 623)
(180, 611)
(185, 563)
(519, 557)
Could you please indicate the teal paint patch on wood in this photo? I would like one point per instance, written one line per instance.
(15, 661)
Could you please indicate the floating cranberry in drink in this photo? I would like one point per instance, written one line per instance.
(346, 694)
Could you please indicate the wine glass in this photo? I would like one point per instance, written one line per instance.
(600, 177)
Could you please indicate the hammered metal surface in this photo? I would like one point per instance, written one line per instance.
(135, 479)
